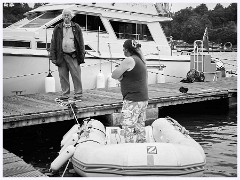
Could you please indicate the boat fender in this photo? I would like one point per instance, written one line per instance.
(100, 80)
(161, 76)
(97, 125)
(111, 82)
(71, 141)
(69, 134)
(179, 126)
(50, 83)
(62, 158)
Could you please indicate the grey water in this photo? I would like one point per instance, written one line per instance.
(215, 131)
(217, 134)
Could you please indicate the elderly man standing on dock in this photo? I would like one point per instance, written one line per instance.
(67, 52)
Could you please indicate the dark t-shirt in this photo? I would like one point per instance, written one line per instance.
(134, 83)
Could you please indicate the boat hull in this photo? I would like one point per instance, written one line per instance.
(169, 151)
(26, 73)
(168, 162)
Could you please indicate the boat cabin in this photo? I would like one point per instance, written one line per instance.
(105, 27)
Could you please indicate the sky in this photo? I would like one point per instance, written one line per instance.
(178, 6)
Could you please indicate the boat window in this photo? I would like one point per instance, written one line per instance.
(87, 48)
(42, 45)
(127, 30)
(89, 22)
(42, 19)
(18, 44)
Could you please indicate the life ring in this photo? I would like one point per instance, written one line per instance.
(228, 46)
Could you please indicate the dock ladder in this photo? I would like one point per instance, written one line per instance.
(202, 63)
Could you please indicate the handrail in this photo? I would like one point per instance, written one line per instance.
(196, 51)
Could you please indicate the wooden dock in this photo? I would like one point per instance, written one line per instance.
(32, 109)
(14, 166)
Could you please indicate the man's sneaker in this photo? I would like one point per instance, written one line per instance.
(63, 98)
(77, 98)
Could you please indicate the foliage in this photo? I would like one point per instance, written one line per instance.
(36, 5)
(13, 12)
(189, 24)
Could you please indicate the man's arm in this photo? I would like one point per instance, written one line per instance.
(52, 51)
(81, 42)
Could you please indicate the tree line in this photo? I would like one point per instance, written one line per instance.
(13, 12)
(187, 24)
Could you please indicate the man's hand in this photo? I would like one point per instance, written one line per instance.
(54, 61)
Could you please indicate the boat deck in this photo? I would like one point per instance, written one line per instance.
(14, 166)
(31, 109)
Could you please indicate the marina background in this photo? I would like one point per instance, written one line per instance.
(215, 131)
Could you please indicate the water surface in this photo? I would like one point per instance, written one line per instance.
(216, 132)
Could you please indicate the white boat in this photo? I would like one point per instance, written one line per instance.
(105, 27)
(101, 151)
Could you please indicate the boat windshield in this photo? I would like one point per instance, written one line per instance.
(131, 30)
(89, 22)
(42, 19)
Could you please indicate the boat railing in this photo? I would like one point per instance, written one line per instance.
(95, 31)
(18, 23)
(134, 36)
(198, 49)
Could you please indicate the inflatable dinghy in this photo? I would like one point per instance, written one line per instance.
(95, 150)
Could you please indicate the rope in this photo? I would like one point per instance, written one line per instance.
(39, 73)
(33, 74)
(232, 72)
(230, 64)
(75, 117)
(229, 59)
(65, 168)
(147, 71)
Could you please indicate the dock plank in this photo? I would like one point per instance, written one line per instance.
(14, 166)
(29, 109)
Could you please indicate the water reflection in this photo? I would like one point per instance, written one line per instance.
(217, 134)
